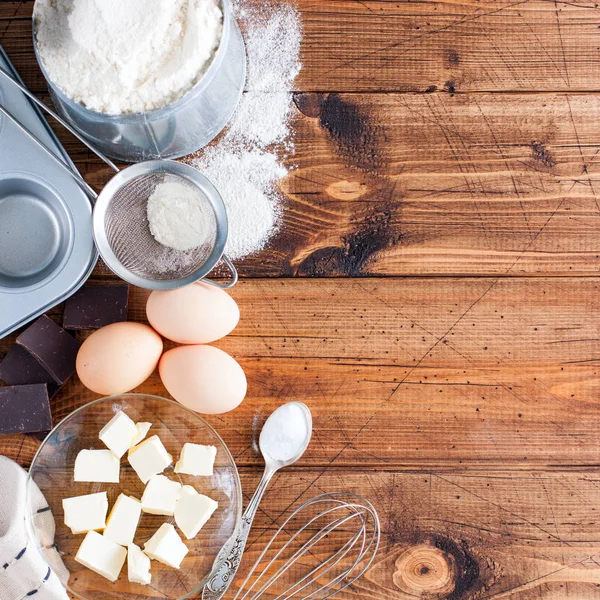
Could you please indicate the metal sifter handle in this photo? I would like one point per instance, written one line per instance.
(231, 282)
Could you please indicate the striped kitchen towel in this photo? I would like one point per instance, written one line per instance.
(24, 571)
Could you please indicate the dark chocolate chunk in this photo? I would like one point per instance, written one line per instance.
(95, 306)
(25, 409)
(54, 348)
(18, 367)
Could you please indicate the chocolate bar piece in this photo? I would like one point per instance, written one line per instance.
(18, 367)
(95, 306)
(54, 348)
(25, 409)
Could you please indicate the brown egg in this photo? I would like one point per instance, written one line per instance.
(195, 314)
(119, 357)
(203, 378)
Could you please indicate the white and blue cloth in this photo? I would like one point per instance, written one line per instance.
(25, 571)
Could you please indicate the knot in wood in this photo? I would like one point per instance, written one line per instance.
(426, 571)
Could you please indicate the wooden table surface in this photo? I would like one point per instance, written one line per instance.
(433, 295)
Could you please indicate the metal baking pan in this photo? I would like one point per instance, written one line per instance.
(46, 243)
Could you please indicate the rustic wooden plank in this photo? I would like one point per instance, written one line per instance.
(422, 184)
(396, 184)
(410, 373)
(449, 45)
(10, 10)
(469, 535)
(430, 184)
(485, 535)
(377, 45)
(474, 535)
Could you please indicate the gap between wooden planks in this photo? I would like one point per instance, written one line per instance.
(410, 373)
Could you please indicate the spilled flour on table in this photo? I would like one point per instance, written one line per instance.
(247, 162)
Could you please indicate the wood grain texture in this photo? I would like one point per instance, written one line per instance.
(487, 528)
(420, 184)
(378, 45)
(402, 373)
(395, 184)
(432, 294)
(438, 184)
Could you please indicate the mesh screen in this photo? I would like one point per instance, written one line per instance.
(129, 236)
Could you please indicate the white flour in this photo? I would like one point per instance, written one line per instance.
(119, 56)
(246, 164)
(247, 182)
(285, 433)
(175, 216)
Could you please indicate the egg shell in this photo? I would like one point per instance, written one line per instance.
(194, 314)
(203, 378)
(119, 357)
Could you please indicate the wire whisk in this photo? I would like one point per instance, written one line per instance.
(321, 548)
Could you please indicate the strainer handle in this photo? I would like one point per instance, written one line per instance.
(231, 282)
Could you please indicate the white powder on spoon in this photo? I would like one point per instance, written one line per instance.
(247, 162)
(285, 432)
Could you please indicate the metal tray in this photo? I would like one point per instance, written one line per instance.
(46, 243)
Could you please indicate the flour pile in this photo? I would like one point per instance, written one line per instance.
(176, 217)
(246, 163)
(121, 56)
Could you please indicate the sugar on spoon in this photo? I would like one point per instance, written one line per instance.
(283, 440)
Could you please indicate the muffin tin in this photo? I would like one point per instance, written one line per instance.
(46, 243)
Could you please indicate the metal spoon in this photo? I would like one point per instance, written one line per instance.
(229, 558)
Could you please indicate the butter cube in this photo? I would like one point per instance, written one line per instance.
(192, 511)
(138, 565)
(123, 520)
(149, 458)
(166, 546)
(100, 466)
(119, 433)
(101, 555)
(160, 496)
(196, 459)
(142, 432)
(86, 513)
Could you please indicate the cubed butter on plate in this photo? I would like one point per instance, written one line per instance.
(149, 458)
(138, 565)
(160, 496)
(166, 546)
(123, 520)
(101, 555)
(192, 511)
(118, 434)
(142, 431)
(99, 466)
(86, 513)
(196, 459)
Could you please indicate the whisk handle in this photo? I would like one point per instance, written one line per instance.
(229, 558)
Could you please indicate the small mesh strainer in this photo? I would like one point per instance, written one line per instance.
(121, 229)
(123, 235)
